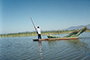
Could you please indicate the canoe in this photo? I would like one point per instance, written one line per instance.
(75, 33)
(52, 39)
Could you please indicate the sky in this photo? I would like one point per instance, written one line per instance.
(48, 14)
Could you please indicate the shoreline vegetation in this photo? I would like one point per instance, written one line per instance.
(35, 34)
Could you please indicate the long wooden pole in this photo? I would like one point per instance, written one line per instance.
(33, 24)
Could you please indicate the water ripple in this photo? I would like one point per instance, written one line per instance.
(24, 48)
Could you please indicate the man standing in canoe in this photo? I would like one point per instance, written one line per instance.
(38, 29)
(38, 32)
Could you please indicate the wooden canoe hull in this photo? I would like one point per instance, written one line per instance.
(50, 39)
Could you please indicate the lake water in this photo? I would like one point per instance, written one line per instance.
(24, 48)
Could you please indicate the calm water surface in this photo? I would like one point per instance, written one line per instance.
(24, 48)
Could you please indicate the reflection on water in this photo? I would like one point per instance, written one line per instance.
(40, 49)
(78, 45)
(70, 49)
(52, 44)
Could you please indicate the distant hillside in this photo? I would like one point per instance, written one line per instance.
(88, 26)
(78, 27)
